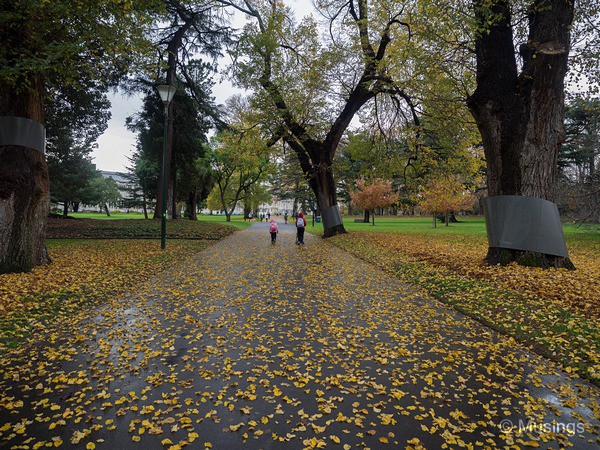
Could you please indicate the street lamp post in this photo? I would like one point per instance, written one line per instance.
(166, 93)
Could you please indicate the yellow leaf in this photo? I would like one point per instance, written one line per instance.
(236, 427)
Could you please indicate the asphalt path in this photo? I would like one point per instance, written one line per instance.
(260, 346)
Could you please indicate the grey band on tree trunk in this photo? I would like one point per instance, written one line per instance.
(332, 216)
(23, 132)
(524, 223)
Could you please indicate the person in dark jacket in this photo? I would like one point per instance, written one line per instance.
(300, 226)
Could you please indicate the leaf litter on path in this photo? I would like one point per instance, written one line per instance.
(285, 346)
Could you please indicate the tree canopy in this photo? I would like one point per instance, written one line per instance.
(240, 159)
(377, 193)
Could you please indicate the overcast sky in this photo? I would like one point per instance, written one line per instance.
(117, 143)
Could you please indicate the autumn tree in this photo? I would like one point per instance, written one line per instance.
(445, 194)
(520, 50)
(238, 164)
(364, 154)
(45, 44)
(393, 154)
(519, 105)
(373, 195)
(240, 158)
(310, 90)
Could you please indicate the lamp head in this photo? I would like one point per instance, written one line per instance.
(166, 93)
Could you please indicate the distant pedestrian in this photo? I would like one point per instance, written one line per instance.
(300, 226)
(285, 217)
(268, 216)
(273, 229)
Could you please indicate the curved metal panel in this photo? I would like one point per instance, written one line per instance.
(524, 223)
(24, 132)
(332, 216)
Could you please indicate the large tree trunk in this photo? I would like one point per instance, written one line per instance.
(144, 205)
(520, 116)
(24, 187)
(320, 179)
(192, 202)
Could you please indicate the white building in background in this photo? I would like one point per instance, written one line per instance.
(277, 207)
(122, 182)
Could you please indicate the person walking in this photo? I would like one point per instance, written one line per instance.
(300, 226)
(273, 229)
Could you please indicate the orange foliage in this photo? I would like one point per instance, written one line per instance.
(377, 194)
(445, 195)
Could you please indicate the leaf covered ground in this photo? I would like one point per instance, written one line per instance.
(249, 345)
(85, 272)
(555, 311)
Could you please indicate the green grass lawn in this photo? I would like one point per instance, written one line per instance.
(236, 220)
(103, 216)
(467, 226)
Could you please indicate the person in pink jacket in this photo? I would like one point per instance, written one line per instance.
(273, 229)
(300, 226)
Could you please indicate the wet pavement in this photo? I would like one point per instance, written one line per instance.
(260, 346)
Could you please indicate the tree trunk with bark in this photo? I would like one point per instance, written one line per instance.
(320, 179)
(366, 216)
(144, 205)
(173, 46)
(192, 202)
(24, 187)
(316, 155)
(520, 115)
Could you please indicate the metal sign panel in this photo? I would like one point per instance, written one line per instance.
(524, 223)
(332, 216)
(24, 132)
